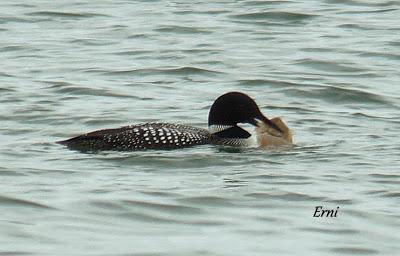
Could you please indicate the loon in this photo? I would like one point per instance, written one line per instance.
(225, 114)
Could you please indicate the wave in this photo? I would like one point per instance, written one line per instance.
(155, 71)
(4, 200)
(75, 15)
(274, 16)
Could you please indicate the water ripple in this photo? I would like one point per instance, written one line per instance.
(339, 95)
(155, 71)
(183, 30)
(69, 15)
(354, 250)
(4, 200)
(289, 196)
(275, 16)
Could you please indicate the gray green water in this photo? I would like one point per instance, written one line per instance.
(330, 68)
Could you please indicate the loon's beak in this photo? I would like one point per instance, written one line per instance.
(272, 128)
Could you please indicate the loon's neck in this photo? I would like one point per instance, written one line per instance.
(232, 135)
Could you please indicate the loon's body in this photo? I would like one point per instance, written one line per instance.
(225, 114)
(142, 136)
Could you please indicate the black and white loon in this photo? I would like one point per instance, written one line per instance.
(225, 114)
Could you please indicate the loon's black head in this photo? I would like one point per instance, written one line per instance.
(232, 108)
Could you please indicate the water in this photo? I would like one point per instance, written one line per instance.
(329, 68)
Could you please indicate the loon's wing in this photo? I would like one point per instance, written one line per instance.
(142, 136)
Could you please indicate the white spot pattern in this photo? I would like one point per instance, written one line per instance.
(148, 136)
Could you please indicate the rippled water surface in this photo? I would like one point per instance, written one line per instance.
(330, 68)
